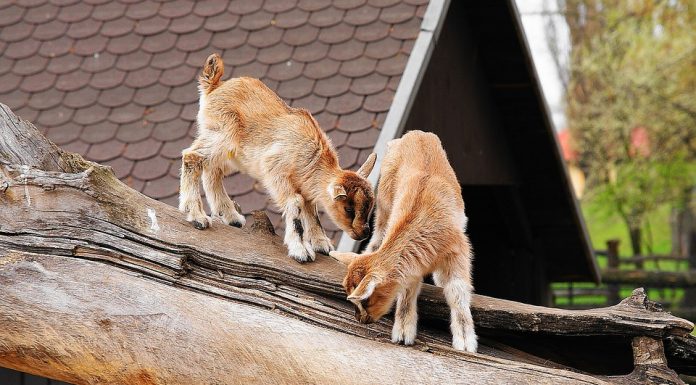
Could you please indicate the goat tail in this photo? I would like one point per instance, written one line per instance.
(211, 74)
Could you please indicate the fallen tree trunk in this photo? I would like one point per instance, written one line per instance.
(102, 325)
(104, 285)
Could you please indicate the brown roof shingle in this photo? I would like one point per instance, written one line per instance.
(115, 80)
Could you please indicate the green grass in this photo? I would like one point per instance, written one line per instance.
(603, 226)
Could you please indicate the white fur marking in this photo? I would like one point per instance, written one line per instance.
(154, 226)
(201, 106)
(369, 289)
(275, 149)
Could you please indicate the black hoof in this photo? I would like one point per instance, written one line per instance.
(199, 225)
(325, 252)
(300, 260)
(236, 224)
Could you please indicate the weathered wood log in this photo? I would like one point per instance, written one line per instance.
(137, 331)
(681, 353)
(77, 245)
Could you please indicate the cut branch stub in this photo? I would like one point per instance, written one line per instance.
(639, 300)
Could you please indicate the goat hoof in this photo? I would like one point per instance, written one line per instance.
(200, 225)
(236, 224)
(301, 258)
(323, 246)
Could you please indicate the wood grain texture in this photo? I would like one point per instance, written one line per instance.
(681, 353)
(85, 323)
(89, 267)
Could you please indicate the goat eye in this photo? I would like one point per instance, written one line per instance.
(350, 210)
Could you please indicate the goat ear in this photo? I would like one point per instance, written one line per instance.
(344, 257)
(355, 302)
(338, 192)
(364, 289)
(365, 170)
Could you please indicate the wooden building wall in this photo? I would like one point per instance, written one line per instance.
(11, 377)
(479, 97)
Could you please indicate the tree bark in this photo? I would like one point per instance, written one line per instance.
(675, 225)
(634, 233)
(136, 331)
(104, 285)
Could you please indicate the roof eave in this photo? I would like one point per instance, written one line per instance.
(406, 92)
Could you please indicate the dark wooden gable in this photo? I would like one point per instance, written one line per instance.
(481, 96)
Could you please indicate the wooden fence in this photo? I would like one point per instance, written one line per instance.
(623, 274)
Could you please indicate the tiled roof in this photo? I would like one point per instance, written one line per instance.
(115, 80)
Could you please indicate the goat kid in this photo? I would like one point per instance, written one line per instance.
(419, 229)
(244, 126)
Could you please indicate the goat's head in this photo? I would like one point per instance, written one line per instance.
(371, 293)
(352, 200)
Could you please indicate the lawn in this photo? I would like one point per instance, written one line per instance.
(603, 226)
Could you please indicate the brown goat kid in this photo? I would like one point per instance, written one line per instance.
(419, 229)
(244, 126)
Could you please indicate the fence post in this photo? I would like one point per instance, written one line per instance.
(613, 262)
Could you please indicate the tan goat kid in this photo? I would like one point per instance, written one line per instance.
(419, 230)
(244, 126)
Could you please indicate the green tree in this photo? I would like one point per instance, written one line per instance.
(631, 70)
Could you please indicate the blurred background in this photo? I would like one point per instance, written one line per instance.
(620, 80)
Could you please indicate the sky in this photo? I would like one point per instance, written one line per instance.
(533, 22)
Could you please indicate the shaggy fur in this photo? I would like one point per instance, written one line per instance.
(244, 126)
(418, 230)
